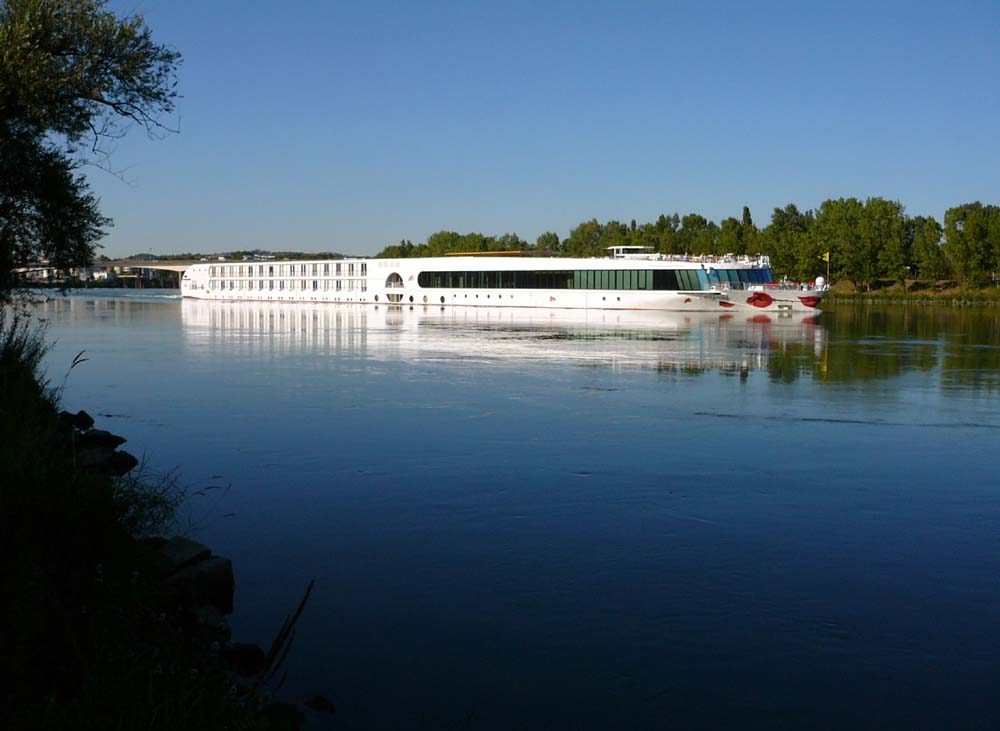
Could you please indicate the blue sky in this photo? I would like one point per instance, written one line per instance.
(321, 126)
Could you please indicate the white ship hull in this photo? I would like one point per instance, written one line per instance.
(649, 283)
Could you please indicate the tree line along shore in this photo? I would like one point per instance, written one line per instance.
(868, 244)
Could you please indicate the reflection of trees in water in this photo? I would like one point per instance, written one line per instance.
(864, 343)
(971, 356)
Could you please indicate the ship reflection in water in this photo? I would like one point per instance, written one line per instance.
(667, 341)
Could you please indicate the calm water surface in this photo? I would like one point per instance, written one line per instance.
(532, 519)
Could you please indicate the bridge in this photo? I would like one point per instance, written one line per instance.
(170, 265)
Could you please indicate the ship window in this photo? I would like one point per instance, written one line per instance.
(664, 279)
(315, 285)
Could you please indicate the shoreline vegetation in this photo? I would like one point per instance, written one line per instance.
(109, 622)
(866, 243)
(941, 294)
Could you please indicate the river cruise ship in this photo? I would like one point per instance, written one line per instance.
(631, 278)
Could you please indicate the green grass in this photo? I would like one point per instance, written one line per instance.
(942, 293)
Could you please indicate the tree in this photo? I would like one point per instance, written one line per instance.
(883, 229)
(748, 233)
(73, 76)
(972, 240)
(548, 241)
(697, 235)
(790, 242)
(585, 240)
(929, 261)
(730, 239)
(666, 234)
(838, 230)
(46, 212)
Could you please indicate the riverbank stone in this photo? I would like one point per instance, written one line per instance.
(209, 624)
(245, 659)
(209, 581)
(179, 552)
(100, 438)
(283, 716)
(80, 420)
(106, 460)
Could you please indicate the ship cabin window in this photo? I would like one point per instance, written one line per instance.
(607, 279)
(338, 269)
(326, 270)
(302, 285)
(315, 285)
(364, 268)
(350, 270)
(315, 269)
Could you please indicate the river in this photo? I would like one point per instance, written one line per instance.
(535, 519)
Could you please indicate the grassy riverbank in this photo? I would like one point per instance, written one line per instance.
(93, 642)
(915, 293)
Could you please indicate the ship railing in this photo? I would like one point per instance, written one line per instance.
(765, 286)
(760, 260)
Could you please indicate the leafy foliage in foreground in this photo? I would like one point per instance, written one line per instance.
(71, 72)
